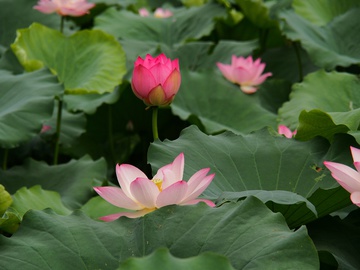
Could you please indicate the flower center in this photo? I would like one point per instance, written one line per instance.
(158, 183)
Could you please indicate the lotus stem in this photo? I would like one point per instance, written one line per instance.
(58, 129)
(154, 123)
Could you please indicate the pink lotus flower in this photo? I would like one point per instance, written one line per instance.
(143, 12)
(156, 80)
(139, 193)
(162, 13)
(284, 130)
(346, 176)
(64, 7)
(245, 72)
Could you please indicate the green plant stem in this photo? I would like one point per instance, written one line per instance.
(6, 154)
(154, 122)
(298, 57)
(58, 129)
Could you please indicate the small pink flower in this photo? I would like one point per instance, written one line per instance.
(162, 13)
(284, 130)
(64, 7)
(45, 128)
(139, 193)
(143, 12)
(156, 80)
(346, 176)
(245, 72)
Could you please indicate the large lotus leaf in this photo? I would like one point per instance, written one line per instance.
(219, 104)
(260, 161)
(186, 24)
(339, 237)
(335, 44)
(320, 12)
(39, 199)
(318, 123)
(258, 12)
(285, 202)
(247, 233)
(163, 257)
(73, 180)
(89, 103)
(16, 14)
(26, 101)
(196, 56)
(328, 92)
(88, 61)
(288, 62)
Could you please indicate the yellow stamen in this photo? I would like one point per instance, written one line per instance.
(158, 183)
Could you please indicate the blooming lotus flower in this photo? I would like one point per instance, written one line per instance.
(64, 7)
(162, 13)
(156, 80)
(284, 130)
(139, 193)
(346, 176)
(245, 72)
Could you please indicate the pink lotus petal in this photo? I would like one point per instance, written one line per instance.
(242, 76)
(160, 72)
(143, 81)
(197, 188)
(172, 83)
(173, 194)
(64, 7)
(117, 197)
(355, 198)
(145, 191)
(347, 177)
(127, 173)
(126, 214)
(284, 130)
(227, 71)
(262, 78)
(172, 172)
(248, 89)
(208, 202)
(157, 97)
(356, 157)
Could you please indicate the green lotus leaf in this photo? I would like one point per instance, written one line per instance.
(26, 102)
(186, 24)
(335, 44)
(321, 12)
(72, 180)
(88, 61)
(334, 93)
(219, 104)
(39, 199)
(162, 256)
(257, 237)
(261, 161)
